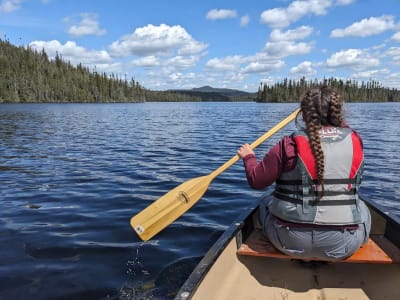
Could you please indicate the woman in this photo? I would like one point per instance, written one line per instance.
(314, 211)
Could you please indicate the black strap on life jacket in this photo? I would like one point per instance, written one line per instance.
(324, 202)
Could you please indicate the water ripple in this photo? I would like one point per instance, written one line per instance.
(73, 175)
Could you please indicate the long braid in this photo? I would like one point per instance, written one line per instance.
(335, 111)
(320, 107)
(311, 110)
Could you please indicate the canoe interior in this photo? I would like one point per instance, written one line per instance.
(223, 274)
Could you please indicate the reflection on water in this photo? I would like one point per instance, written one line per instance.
(72, 176)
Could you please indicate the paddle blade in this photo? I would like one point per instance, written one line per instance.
(169, 207)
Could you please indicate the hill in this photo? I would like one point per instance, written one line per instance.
(27, 75)
(208, 93)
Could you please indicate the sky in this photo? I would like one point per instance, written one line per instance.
(183, 44)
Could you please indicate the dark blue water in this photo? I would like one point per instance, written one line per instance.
(72, 175)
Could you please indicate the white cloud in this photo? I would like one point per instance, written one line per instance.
(162, 80)
(283, 17)
(88, 25)
(281, 44)
(8, 6)
(303, 69)
(192, 47)
(371, 73)
(394, 54)
(108, 68)
(147, 62)
(287, 48)
(228, 63)
(263, 66)
(344, 2)
(235, 68)
(175, 76)
(366, 27)
(276, 17)
(299, 33)
(156, 40)
(182, 62)
(268, 81)
(184, 80)
(353, 58)
(392, 80)
(396, 37)
(219, 14)
(71, 52)
(167, 66)
(284, 43)
(244, 21)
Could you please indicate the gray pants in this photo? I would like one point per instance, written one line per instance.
(320, 243)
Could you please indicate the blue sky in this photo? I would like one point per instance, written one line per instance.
(171, 44)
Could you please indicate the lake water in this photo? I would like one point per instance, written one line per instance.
(72, 176)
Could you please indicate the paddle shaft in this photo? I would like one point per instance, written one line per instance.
(177, 201)
(256, 143)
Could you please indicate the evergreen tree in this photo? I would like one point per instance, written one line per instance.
(351, 90)
(27, 75)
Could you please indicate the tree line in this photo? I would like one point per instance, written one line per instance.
(289, 90)
(28, 75)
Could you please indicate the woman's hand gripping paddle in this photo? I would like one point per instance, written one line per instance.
(177, 201)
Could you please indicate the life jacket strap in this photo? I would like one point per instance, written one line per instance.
(323, 202)
(355, 180)
(311, 192)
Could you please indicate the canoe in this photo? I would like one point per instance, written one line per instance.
(242, 264)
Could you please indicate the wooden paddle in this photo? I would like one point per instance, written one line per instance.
(177, 201)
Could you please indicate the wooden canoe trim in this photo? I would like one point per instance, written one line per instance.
(378, 250)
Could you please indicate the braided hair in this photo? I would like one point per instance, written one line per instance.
(320, 107)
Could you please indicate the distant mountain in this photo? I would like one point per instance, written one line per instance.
(208, 93)
(209, 89)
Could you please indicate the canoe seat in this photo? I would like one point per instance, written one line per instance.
(377, 250)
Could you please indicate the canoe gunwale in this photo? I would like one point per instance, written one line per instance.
(392, 226)
(381, 210)
(236, 229)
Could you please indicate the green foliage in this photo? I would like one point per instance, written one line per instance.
(162, 96)
(27, 75)
(290, 90)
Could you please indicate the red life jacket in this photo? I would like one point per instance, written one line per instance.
(296, 191)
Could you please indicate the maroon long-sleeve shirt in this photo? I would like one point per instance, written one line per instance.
(280, 158)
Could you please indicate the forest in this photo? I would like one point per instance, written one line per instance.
(28, 75)
(352, 91)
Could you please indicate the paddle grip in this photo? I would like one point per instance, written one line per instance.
(257, 142)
